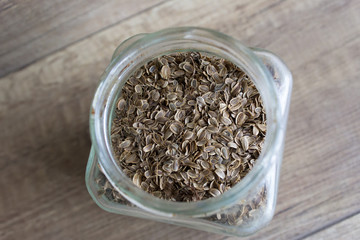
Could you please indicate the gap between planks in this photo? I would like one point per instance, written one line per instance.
(83, 38)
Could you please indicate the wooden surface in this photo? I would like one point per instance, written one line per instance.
(52, 54)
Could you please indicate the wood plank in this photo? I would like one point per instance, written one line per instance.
(31, 30)
(347, 229)
(44, 107)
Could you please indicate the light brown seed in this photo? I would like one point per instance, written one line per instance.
(245, 142)
(171, 96)
(192, 174)
(214, 192)
(200, 101)
(168, 134)
(179, 115)
(255, 131)
(203, 88)
(225, 120)
(229, 81)
(175, 165)
(188, 135)
(188, 67)
(155, 95)
(209, 148)
(121, 104)
(125, 144)
(232, 145)
(235, 101)
(179, 73)
(201, 142)
(210, 70)
(220, 173)
(148, 148)
(204, 164)
(213, 121)
(137, 179)
(132, 159)
(165, 72)
(138, 89)
(262, 127)
(225, 152)
(240, 119)
(175, 128)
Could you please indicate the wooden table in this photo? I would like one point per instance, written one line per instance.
(52, 54)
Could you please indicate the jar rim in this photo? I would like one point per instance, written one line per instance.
(128, 53)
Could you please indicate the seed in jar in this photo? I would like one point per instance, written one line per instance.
(188, 126)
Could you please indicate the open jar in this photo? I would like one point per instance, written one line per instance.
(240, 211)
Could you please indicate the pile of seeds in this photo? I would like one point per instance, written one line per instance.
(238, 214)
(188, 126)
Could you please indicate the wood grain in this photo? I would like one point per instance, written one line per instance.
(346, 229)
(44, 120)
(31, 30)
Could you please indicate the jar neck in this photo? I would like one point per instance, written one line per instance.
(134, 53)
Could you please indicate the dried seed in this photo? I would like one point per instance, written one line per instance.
(159, 114)
(175, 165)
(225, 152)
(200, 101)
(229, 81)
(192, 174)
(240, 119)
(121, 104)
(262, 127)
(132, 159)
(235, 101)
(255, 131)
(225, 120)
(209, 148)
(212, 129)
(179, 115)
(179, 73)
(138, 89)
(155, 95)
(245, 142)
(220, 173)
(232, 145)
(175, 128)
(171, 96)
(148, 148)
(201, 142)
(210, 70)
(214, 192)
(195, 122)
(125, 144)
(204, 164)
(213, 121)
(188, 68)
(188, 135)
(147, 174)
(203, 88)
(165, 72)
(137, 179)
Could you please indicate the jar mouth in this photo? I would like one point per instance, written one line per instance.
(138, 50)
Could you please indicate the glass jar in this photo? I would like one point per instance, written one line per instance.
(240, 211)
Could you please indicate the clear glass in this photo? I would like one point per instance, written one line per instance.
(240, 211)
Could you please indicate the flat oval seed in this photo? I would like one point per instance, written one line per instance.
(220, 173)
(125, 144)
(165, 72)
(209, 148)
(148, 148)
(214, 192)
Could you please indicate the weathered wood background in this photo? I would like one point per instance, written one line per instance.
(52, 54)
